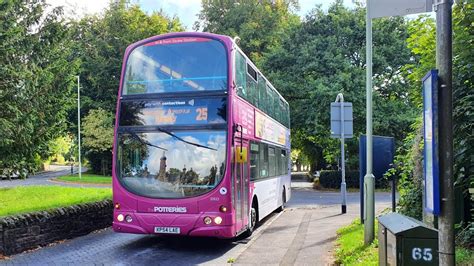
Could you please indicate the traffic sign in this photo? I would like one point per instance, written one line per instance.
(336, 120)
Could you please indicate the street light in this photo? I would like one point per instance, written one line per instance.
(79, 124)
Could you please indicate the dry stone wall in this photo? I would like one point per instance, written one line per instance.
(26, 231)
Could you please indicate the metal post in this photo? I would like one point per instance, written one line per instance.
(444, 56)
(394, 189)
(369, 208)
(340, 98)
(79, 124)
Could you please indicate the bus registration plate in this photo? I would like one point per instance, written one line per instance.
(167, 230)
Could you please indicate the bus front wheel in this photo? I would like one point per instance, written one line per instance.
(252, 221)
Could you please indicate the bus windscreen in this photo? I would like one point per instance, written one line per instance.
(178, 64)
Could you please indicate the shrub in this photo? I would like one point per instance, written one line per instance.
(332, 179)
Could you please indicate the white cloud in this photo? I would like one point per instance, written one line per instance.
(185, 10)
(79, 8)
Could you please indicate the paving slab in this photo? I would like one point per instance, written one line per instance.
(301, 236)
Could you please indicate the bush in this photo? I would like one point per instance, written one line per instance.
(332, 179)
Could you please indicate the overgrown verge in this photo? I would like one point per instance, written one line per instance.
(350, 248)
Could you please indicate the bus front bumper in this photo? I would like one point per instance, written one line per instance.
(188, 224)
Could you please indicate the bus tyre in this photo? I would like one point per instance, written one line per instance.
(252, 221)
(283, 201)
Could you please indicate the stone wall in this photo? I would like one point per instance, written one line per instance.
(26, 231)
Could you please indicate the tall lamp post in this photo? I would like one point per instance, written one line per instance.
(79, 124)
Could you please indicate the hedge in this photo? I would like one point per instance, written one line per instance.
(332, 179)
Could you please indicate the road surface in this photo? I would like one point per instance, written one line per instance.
(303, 234)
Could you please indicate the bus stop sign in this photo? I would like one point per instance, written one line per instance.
(336, 120)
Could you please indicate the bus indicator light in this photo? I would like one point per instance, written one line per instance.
(128, 218)
(117, 205)
(223, 208)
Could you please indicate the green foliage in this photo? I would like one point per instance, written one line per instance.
(35, 82)
(408, 160)
(350, 249)
(98, 130)
(463, 97)
(464, 256)
(260, 25)
(87, 178)
(39, 198)
(325, 55)
(100, 43)
(59, 148)
(408, 170)
(98, 133)
(332, 179)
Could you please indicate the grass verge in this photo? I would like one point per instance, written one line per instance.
(19, 200)
(350, 248)
(86, 178)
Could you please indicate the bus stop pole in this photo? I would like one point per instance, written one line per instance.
(340, 98)
(369, 202)
(444, 55)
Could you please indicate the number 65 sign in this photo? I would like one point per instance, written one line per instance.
(422, 254)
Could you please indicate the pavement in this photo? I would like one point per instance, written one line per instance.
(46, 178)
(303, 234)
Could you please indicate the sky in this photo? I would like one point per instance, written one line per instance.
(185, 10)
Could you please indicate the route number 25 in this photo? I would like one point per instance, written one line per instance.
(202, 114)
(421, 254)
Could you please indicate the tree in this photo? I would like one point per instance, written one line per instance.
(100, 45)
(98, 135)
(422, 42)
(35, 82)
(259, 25)
(325, 55)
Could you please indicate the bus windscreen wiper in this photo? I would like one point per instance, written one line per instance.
(135, 136)
(185, 141)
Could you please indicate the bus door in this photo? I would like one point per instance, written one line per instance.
(241, 183)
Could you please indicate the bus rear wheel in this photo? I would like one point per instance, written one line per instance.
(283, 201)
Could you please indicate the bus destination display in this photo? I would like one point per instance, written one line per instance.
(172, 112)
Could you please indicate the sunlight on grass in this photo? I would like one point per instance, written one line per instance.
(86, 178)
(36, 198)
(350, 248)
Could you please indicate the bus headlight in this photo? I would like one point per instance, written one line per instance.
(218, 220)
(128, 218)
(120, 217)
(207, 220)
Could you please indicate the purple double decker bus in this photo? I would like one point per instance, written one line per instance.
(202, 140)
